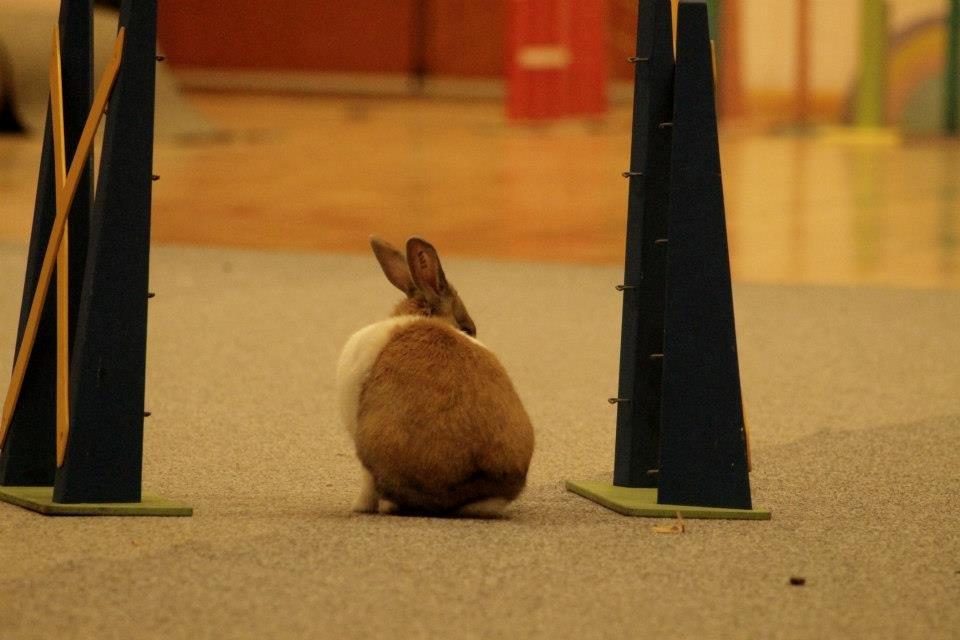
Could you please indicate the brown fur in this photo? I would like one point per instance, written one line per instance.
(440, 425)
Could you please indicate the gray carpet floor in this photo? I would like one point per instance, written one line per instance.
(853, 397)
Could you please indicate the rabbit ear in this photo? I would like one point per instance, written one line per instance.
(425, 268)
(393, 264)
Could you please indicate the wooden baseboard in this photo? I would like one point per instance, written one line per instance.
(620, 92)
(361, 84)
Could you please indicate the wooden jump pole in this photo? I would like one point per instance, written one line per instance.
(56, 234)
(63, 257)
(72, 429)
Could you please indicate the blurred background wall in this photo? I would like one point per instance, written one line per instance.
(775, 52)
(288, 152)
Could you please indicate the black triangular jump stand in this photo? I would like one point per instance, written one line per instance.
(109, 245)
(680, 442)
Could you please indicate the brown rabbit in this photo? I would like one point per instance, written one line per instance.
(436, 421)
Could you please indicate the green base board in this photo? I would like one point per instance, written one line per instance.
(40, 499)
(643, 502)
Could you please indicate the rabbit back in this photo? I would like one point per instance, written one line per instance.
(438, 422)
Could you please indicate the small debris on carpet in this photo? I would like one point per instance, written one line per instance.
(675, 527)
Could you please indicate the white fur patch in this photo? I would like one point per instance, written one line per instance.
(356, 360)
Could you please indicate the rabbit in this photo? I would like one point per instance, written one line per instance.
(438, 426)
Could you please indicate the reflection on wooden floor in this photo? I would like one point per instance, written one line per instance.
(324, 173)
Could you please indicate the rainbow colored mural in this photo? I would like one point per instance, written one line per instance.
(916, 63)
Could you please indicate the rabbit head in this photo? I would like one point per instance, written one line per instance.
(419, 275)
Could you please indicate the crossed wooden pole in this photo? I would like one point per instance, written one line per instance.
(66, 181)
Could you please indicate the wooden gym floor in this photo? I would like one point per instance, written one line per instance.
(321, 174)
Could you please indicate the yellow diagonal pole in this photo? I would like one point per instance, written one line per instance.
(63, 269)
(56, 233)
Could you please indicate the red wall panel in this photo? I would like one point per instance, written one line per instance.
(317, 35)
(557, 58)
(464, 38)
(459, 38)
